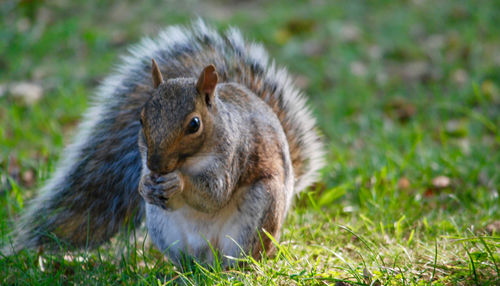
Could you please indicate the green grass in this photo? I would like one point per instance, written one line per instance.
(404, 92)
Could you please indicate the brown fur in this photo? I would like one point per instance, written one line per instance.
(256, 134)
(261, 162)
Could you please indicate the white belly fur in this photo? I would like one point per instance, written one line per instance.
(190, 232)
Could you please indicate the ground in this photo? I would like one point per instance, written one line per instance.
(407, 96)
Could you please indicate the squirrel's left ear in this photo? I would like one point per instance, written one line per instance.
(156, 74)
(206, 83)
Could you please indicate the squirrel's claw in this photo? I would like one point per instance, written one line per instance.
(160, 189)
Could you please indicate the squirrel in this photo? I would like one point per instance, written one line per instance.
(210, 142)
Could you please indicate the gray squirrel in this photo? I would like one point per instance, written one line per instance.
(199, 131)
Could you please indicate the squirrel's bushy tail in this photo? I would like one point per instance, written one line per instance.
(275, 86)
(94, 189)
(93, 192)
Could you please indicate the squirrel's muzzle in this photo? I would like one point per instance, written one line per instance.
(159, 165)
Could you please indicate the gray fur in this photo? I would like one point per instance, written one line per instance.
(94, 188)
(236, 187)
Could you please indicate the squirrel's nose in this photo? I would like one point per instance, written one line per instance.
(154, 163)
(161, 166)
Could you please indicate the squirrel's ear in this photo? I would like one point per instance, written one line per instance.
(156, 73)
(207, 82)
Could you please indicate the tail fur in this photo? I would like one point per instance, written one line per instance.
(93, 192)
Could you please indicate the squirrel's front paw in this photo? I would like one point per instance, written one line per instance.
(158, 189)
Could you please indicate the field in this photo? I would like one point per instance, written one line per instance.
(407, 96)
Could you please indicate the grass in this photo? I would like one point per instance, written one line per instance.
(407, 94)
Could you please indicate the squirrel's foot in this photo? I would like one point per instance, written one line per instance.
(158, 189)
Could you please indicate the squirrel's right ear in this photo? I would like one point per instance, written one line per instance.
(206, 83)
(156, 73)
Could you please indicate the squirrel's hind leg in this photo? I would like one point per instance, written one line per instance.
(272, 196)
(261, 207)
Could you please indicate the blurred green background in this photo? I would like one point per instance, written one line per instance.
(406, 93)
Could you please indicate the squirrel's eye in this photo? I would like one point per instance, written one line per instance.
(193, 125)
